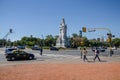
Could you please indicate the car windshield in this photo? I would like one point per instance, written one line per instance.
(22, 52)
(19, 52)
(11, 49)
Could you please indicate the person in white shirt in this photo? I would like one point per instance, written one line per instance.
(84, 54)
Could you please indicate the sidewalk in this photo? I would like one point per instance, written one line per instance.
(61, 71)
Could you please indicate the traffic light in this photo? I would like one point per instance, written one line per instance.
(84, 29)
(113, 35)
(109, 40)
(80, 33)
(109, 37)
(109, 34)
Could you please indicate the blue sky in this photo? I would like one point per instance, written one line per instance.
(43, 17)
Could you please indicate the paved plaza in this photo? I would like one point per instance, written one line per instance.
(61, 65)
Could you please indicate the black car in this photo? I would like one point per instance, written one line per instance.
(9, 50)
(54, 48)
(19, 55)
(21, 47)
(35, 48)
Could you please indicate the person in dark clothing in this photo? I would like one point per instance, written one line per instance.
(111, 52)
(96, 54)
(41, 50)
(81, 52)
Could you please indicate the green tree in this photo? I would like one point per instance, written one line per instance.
(77, 41)
(15, 43)
(2, 42)
(49, 41)
(29, 41)
(95, 43)
(116, 42)
(74, 35)
(85, 41)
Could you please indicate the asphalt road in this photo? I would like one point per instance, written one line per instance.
(61, 56)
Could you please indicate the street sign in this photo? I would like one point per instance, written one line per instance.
(91, 30)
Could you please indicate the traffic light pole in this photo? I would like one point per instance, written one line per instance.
(109, 34)
(109, 38)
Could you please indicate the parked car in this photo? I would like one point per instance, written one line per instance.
(54, 48)
(9, 50)
(35, 48)
(18, 55)
(21, 47)
(102, 49)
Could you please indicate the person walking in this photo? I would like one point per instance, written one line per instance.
(81, 54)
(111, 52)
(41, 50)
(84, 54)
(96, 54)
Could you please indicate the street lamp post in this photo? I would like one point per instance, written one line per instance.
(5, 37)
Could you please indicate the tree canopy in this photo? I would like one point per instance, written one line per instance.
(75, 41)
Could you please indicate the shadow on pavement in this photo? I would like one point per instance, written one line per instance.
(103, 61)
(97, 61)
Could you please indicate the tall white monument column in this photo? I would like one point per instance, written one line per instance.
(62, 39)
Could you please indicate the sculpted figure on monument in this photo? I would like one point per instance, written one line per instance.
(62, 39)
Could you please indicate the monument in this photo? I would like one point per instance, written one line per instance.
(62, 40)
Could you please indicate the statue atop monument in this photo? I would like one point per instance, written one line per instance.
(62, 38)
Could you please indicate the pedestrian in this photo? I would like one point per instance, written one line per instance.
(96, 54)
(111, 52)
(41, 50)
(84, 54)
(81, 54)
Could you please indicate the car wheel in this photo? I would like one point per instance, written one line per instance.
(12, 58)
(30, 57)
